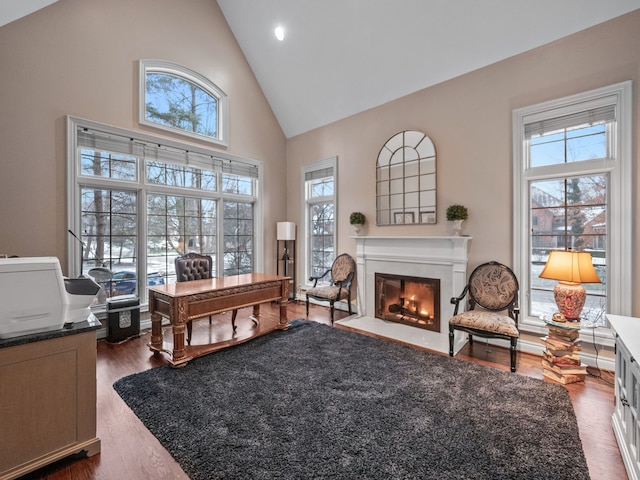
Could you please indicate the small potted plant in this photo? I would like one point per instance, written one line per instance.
(357, 219)
(457, 214)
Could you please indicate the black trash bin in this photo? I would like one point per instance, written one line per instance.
(123, 317)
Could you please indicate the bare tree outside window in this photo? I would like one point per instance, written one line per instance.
(178, 103)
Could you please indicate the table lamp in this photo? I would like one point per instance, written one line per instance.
(570, 269)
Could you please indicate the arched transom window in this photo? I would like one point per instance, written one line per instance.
(175, 98)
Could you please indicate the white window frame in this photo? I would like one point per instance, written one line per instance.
(160, 66)
(331, 162)
(75, 182)
(619, 214)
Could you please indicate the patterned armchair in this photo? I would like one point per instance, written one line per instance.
(339, 287)
(492, 291)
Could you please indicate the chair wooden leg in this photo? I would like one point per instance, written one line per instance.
(189, 329)
(331, 308)
(307, 307)
(514, 345)
(451, 338)
(234, 314)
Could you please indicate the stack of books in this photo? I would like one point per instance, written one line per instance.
(561, 358)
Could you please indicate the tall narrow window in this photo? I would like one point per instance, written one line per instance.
(175, 98)
(572, 192)
(320, 202)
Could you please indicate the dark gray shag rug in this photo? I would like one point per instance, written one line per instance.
(320, 402)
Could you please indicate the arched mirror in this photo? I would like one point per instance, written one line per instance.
(406, 180)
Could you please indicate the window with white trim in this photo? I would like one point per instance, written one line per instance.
(175, 98)
(319, 187)
(137, 202)
(572, 191)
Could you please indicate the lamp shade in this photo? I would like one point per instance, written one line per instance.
(573, 267)
(286, 231)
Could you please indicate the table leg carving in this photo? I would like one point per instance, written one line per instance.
(283, 321)
(178, 327)
(156, 332)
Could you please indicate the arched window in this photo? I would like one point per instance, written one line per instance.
(175, 98)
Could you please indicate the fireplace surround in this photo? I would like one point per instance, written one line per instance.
(439, 258)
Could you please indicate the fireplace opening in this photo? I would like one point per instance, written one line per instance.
(412, 301)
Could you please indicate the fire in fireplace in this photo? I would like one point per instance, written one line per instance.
(412, 301)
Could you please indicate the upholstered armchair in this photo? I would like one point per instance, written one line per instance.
(339, 286)
(493, 309)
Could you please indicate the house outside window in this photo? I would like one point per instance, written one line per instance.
(572, 191)
(319, 187)
(138, 202)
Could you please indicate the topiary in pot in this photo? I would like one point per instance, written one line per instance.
(357, 219)
(457, 214)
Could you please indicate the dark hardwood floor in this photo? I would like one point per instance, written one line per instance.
(129, 451)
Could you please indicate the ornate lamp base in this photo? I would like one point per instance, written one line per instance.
(570, 298)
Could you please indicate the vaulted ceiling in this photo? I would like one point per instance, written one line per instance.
(341, 57)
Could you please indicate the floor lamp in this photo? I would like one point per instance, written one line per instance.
(286, 232)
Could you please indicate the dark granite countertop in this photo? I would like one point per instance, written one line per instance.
(92, 323)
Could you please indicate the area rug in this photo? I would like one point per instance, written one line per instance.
(321, 402)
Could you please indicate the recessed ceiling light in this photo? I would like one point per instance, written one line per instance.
(279, 33)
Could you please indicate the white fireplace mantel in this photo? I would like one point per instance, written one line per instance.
(444, 258)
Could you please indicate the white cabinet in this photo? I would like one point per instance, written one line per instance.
(627, 391)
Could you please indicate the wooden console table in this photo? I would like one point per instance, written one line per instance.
(183, 302)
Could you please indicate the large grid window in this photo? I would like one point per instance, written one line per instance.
(572, 192)
(137, 203)
(320, 222)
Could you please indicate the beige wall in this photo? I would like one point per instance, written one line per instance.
(79, 57)
(469, 121)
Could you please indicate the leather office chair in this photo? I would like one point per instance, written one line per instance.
(492, 291)
(342, 271)
(194, 266)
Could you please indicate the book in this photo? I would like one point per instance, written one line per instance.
(564, 359)
(564, 333)
(557, 343)
(564, 379)
(565, 369)
(563, 353)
